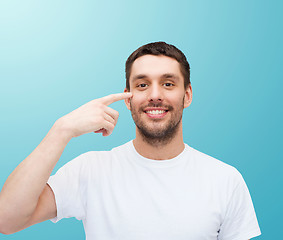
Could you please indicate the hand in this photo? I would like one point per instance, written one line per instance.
(94, 116)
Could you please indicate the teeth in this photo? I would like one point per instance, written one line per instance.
(155, 112)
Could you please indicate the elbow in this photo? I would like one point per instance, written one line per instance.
(5, 233)
(8, 229)
(10, 225)
(5, 228)
(2, 230)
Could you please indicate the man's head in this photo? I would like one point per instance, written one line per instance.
(161, 90)
(157, 49)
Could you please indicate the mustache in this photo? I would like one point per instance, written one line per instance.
(156, 105)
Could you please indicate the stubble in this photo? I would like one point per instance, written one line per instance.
(152, 131)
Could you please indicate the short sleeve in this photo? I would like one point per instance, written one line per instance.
(68, 186)
(240, 222)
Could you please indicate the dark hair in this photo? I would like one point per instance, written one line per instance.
(159, 48)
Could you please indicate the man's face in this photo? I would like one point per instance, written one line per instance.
(159, 97)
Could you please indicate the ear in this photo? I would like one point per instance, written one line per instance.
(188, 96)
(127, 101)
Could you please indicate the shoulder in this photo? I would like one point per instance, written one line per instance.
(214, 168)
(91, 163)
(97, 158)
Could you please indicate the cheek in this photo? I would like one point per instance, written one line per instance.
(138, 102)
(176, 98)
(178, 102)
(138, 98)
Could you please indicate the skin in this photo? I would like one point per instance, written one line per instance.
(160, 87)
(26, 199)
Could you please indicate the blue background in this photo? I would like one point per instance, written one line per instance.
(57, 55)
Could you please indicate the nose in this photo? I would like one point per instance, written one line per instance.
(155, 93)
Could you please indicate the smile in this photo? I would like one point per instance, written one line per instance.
(155, 112)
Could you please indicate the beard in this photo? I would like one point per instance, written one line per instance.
(155, 131)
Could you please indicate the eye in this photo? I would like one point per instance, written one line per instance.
(142, 85)
(168, 84)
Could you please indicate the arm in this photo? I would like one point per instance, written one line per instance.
(21, 191)
(25, 198)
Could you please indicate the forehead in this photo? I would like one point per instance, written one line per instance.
(155, 66)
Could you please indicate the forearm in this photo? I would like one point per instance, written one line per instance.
(21, 191)
(19, 199)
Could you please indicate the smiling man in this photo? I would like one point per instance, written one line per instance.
(153, 187)
(159, 97)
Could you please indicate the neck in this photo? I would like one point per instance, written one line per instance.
(160, 150)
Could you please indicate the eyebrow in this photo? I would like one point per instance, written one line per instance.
(166, 75)
(170, 75)
(139, 76)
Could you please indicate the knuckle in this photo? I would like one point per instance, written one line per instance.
(95, 102)
(116, 114)
(99, 110)
(99, 105)
(111, 126)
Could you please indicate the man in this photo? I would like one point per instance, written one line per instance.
(154, 187)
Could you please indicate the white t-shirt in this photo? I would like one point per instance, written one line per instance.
(121, 195)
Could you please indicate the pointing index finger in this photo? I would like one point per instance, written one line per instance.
(115, 97)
